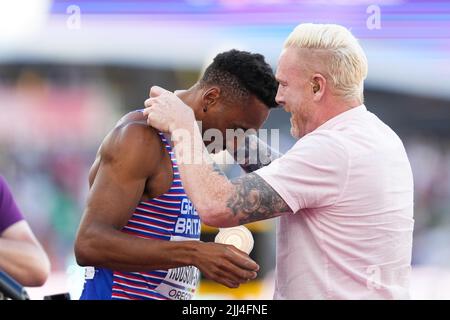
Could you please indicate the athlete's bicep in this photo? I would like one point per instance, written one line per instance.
(254, 199)
(126, 160)
(113, 195)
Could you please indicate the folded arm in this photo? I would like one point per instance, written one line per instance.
(22, 257)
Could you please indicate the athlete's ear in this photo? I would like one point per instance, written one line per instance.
(210, 97)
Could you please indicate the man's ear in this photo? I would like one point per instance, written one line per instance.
(318, 86)
(210, 98)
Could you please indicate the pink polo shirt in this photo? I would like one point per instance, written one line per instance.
(350, 185)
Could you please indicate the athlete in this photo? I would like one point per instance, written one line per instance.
(139, 235)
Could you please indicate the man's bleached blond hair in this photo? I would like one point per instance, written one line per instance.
(338, 54)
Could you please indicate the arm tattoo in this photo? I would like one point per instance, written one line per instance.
(255, 154)
(254, 199)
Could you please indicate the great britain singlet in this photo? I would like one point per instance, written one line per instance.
(169, 217)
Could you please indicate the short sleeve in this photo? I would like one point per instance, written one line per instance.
(9, 212)
(312, 174)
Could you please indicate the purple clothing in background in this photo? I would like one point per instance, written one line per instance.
(9, 212)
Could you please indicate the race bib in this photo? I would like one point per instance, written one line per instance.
(181, 283)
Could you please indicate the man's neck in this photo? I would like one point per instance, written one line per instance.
(331, 110)
(334, 109)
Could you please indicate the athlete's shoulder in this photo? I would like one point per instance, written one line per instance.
(132, 130)
(132, 116)
(132, 140)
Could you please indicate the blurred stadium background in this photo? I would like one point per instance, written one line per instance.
(69, 69)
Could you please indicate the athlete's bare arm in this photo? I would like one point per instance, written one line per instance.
(128, 157)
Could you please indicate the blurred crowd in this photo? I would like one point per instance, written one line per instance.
(430, 161)
(48, 140)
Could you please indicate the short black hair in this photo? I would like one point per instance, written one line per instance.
(241, 73)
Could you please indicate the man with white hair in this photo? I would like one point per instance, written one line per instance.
(343, 193)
